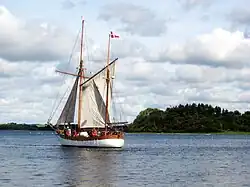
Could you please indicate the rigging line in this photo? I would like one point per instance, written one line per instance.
(60, 101)
(53, 112)
(53, 108)
(114, 102)
(90, 55)
(121, 108)
(70, 58)
(86, 44)
(87, 52)
(114, 99)
(120, 105)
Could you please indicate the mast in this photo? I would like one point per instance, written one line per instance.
(107, 86)
(81, 74)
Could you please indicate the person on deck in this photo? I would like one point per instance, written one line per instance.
(94, 132)
(65, 131)
(74, 133)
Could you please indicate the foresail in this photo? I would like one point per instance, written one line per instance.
(68, 112)
(94, 99)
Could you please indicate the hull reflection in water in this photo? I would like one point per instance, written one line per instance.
(91, 167)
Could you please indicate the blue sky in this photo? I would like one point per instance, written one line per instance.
(170, 52)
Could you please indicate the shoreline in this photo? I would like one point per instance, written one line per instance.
(157, 133)
(30, 127)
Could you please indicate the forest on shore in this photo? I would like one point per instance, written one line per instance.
(190, 118)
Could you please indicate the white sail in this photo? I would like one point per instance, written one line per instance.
(94, 99)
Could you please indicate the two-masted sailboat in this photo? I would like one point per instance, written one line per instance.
(93, 96)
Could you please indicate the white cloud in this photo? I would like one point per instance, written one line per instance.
(134, 19)
(28, 91)
(211, 68)
(219, 48)
(28, 41)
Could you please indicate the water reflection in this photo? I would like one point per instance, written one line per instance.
(89, 167)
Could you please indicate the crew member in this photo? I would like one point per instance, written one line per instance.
(94, 132)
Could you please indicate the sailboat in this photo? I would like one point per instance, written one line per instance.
(94, 127)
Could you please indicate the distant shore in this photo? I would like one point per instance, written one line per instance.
(39, 127)
(45, 127)
(31, 127)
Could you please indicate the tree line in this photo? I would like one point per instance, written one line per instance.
(190, 118)
(15, 126)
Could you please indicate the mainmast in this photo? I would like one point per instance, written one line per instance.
(111, 35)
(107, 85)
(81, 74)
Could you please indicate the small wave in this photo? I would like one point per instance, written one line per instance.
(29, 145)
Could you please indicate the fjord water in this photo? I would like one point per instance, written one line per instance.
(36, 159)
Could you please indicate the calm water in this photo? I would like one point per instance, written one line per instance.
(36, 159)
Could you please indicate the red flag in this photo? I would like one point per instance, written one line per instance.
(112, 35)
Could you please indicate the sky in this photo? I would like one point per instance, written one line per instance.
(170, 52)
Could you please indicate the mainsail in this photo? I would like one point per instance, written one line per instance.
(94, 98)
(68, 112)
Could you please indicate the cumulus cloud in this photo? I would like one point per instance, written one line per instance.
(219, 48)
(28, 41)
(29, 90)
(211, 68)
(215, 70)
(134, 19)
(29, 86)
(164, 84)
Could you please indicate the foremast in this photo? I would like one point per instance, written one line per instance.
(81, 76)
(68, 112)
